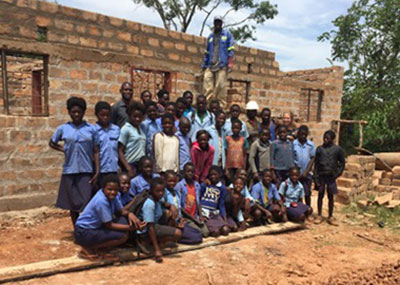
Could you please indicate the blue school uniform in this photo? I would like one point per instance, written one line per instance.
(292, 193)
(213, 199)
(184, 149)
(90, 229)
(271, 131)
(134, 141)
(303, 153)
(228, 129)
(99, 211)
(182, 188)
(151, 213)
(150, 127)
(200, 124)
(79, 141)
(282, 155)
(174, 200)
(258, 193)
(214, 141)
(125, 198)
(139, 184)
(108, 147)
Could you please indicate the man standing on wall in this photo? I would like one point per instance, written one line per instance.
(218, 61)
(118, 111)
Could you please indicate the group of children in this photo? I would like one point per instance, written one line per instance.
(178, 172)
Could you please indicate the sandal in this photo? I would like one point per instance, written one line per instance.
(159, 259)
(109, 257)
(89, 256)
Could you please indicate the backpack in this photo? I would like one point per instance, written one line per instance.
(138, 201)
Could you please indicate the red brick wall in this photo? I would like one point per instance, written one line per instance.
(90, 55)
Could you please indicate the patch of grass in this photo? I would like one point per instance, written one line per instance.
(376, 214)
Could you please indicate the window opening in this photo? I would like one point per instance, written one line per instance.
(24, 83)
(311, 104)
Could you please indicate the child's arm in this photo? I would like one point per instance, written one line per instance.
(209, 160)
(122, 159)
(252, 160)
(341, 161)
(308, 168)
(132, 219)
(119, 227)
(55, 146)
(96, 158)
(53, 143)
(194, 160)
(272, 157)
(221, 203)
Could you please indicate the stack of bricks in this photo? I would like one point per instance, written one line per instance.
(357, 178)
(388, 182)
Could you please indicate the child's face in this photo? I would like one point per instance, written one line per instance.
(171, 181)
(180, 109)
(164, 99)
(251, 114)
(265, 135)
(236, 128)
(282, 134)
(184, 128)
(294, 175)
(124, 183)
(241, 173)
(235, 112)
(238, 185)
(168, 126)
(76, 114)
(214, 107)
(221, 120)
(201, 104)
(189, 99)
(170, 110)
(214, 176)
(203, 141)
(111, 190)
(146, 96)
(136, 118)
(188, 172)
(158, 191)
(147, 168)
(104, 116)
(152, 113)
(328, 139)
(266, 116)
(267, 178)
(302, 135)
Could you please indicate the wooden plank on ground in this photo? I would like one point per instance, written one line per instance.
(74, 263)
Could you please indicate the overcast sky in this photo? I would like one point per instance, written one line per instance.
(292, 35)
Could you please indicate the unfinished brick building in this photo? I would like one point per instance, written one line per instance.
(50, 52)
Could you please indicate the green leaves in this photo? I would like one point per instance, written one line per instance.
(368, 39)
(178, 14)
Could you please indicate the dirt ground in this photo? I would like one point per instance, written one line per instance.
(320, 254)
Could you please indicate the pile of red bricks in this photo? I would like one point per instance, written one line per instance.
(357, 178)
(389, 182)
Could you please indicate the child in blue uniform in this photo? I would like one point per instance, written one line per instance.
(152, 213)
(80, 149)
(282, 155)
(132, 139)
(107, 137)
(189, 190)
(124, 185)
(266, 195)
(142, 181)
(213, 203)
(292, 192)
(190, 235)
(150, 125)
(98, 226)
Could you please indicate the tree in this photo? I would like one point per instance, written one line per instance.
(178, 14)
(368, 39)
